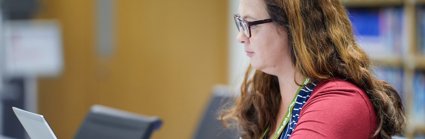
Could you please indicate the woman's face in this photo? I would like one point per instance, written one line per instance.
(267, 47)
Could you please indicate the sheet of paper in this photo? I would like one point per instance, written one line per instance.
(33, 48)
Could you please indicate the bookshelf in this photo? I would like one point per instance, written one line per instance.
(410, 53)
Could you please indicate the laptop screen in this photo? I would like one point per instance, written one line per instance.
(35, 124)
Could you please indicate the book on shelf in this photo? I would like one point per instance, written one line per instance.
(421, 29)
(418, 108)
(393, 76)
(378, 30)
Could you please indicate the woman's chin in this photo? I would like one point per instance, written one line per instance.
(263, 69)
(257, 66)
(254, 65)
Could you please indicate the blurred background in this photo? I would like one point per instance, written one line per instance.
(159, 58)
(163, 58)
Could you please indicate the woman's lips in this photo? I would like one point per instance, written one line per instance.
(249, 53)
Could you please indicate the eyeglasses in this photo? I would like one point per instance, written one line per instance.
(245, 26)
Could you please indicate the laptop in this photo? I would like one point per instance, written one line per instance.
(35, 124)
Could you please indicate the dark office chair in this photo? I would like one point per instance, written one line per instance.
(108, 123)
(210, 127)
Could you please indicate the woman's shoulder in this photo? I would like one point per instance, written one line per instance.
(343, 93)
(341, 108)
(340, 91)
(337, 85)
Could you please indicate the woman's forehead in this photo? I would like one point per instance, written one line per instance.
(254, 9)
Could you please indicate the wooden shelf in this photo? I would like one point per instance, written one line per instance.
(420, 1)
(420, 129)
(372, 3)
(420, 62)
(415, 131)
(387, 61)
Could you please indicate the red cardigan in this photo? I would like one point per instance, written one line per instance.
(337, 109)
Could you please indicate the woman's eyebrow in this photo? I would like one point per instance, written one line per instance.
(245, 16)
(248, 17)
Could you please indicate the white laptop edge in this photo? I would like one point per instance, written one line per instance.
(35, 124)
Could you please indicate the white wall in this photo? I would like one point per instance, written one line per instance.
(2, 55)
(237, 58)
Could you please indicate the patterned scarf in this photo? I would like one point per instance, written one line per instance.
(301, 99)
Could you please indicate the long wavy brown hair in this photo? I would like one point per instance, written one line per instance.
(322, 47)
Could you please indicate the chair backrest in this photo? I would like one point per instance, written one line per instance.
(210, 127)
(108, 123)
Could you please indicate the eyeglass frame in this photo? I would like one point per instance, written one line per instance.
(248, 24)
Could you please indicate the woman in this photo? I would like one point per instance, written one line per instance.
(310, 78)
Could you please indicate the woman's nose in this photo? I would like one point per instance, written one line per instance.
(241, 37)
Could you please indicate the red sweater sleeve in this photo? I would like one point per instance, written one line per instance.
(336, 109)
